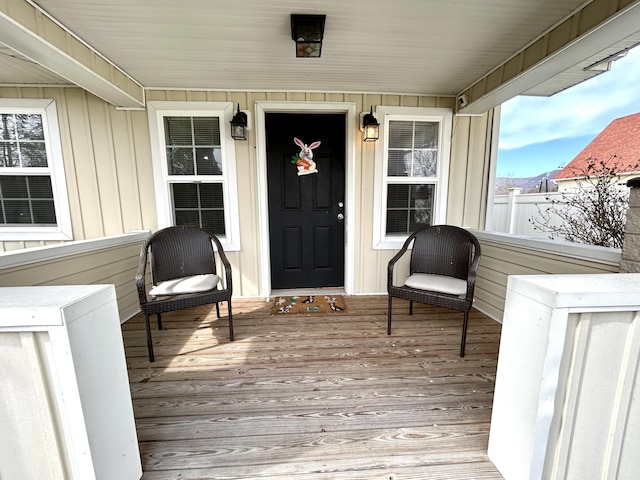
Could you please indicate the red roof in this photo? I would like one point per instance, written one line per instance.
(618, 144)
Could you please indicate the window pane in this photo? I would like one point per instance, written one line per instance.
(409, 207)
(33, 154)
(426, 135)
(209, 161)
(188, 217)
(17, 211)
(206, 131)
(180, 161)
(400, 134)
(211, 195)
(27, 200)
(8, 127)
(424, 163)
(213, 221)
(185, 195)
(12, 187)
(177, 131)
(44, 212)
(9, 155)
(40, 187)
(397, 222)
(22, 141)
(29, 127)
(399, 163)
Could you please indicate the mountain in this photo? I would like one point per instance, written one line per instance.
(539, 183)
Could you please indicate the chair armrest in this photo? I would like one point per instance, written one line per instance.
(396, 257)
(473, 270)
(228, 282)
(141, 274)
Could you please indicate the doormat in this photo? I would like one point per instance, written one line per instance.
(309, 304)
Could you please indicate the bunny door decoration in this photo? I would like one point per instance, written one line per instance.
(304, 159)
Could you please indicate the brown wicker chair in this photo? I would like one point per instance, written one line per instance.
(442, 272)
(183, 274)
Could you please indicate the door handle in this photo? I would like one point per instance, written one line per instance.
(340, 217)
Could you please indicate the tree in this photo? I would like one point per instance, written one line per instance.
(595, 213)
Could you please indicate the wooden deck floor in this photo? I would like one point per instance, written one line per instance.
(314, 397)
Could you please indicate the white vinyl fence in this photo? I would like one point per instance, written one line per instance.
(512, 212)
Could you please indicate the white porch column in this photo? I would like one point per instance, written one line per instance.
(566, 402)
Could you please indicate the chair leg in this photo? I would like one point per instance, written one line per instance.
(147, 325)
(389, 315)
(218, 309)
(464, 332)
(410, 307)
(159, 322)
(230, 321)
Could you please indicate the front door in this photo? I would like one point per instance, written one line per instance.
(306, 199)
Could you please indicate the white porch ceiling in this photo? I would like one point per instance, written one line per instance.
(435, 47)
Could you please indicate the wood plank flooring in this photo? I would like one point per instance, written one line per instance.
(310, 397)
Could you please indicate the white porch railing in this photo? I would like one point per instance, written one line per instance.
(108, 260)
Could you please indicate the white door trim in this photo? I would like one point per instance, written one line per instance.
(263, 202)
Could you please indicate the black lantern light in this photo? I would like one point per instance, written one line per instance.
(370, 127)
(239, 125)
(307, 32)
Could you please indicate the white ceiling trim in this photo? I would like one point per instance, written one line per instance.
(615, 29)
(37, 49)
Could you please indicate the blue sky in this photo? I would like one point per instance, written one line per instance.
(539, 134)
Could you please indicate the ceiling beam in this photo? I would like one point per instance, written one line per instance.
(595, 27)
(32, 33)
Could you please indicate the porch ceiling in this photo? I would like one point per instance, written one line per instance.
(438, 47)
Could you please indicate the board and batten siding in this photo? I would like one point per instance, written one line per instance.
(109, 174)
(504, 255)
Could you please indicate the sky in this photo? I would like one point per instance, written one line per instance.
(541, 134)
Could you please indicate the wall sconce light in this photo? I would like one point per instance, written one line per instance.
(370, 127)
(239, 125)
(307, 32)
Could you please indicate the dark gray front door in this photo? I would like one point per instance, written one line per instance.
(306, 226)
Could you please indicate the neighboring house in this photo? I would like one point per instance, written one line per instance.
(618, 146)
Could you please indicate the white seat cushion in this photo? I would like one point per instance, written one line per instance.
(437, 283)
(193, 284)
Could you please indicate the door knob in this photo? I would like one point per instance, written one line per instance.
(340, 216)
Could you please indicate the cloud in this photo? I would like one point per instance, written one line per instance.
(585, 109)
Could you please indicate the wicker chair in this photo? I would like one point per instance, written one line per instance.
(442, 271)
(183, 274)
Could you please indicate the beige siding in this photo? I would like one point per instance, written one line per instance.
(108, 166)
(502, 257)
(469, 174)
(108, 261)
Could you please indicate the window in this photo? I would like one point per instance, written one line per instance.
(194, 167)
(33, 196)
(411, 171)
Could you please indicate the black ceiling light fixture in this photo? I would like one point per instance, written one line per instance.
(307, 32)
(370, 127)
(239, 125)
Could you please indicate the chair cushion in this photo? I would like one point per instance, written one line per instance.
(437, 283)
(192, 284)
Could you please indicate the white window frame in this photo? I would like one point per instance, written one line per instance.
(385, 114)
(224, 111)
(55, 170)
